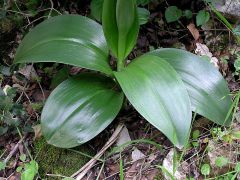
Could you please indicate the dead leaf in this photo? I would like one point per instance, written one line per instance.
(168, 165)
(29, 72)
(137, 154)
(194, 31)
(28, 108)
(40, 96)
(123, 137)
(37, 131)
(203, 50)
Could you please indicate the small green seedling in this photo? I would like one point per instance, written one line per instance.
(237, 167)
(2, 165)
(202, 17)
(195, 137)
(173, 14)
(221, 161)
(205, 169)
(28, 170)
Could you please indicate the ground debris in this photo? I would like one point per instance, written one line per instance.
(203, 50)
(168, 165)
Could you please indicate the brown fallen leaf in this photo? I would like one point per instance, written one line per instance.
(29, 72)
(168, 165)
(37, 131)
(203, 50)
(194, 31)
(40, 96)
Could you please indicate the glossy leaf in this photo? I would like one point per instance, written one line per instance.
(96, 9)
(207, 88)
(143, 15)
(79, 109)
(120, 25)
(143, 2)
(157, 92)
(68, 39)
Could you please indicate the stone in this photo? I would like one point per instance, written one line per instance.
(231, 7)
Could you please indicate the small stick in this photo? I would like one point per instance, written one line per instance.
(83, 171)
(13, 151)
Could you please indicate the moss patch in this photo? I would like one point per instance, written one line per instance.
(59, 161)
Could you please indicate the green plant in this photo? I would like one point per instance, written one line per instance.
(195, 137)
(173, 13)
(164, 85)
(96, 7)
(221, 161)
(28, 170)
(202, 17)
(221, 18)
(205, 169)
(2, 165)
(10, 111)
(237, 64)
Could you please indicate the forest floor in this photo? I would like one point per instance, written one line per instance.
(141, 151)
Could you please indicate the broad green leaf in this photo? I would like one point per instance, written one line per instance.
(109, 24)
(207, 88)
(120, 25)
(143, 2)
(157, 92)
(59, 77)
(68, 39)
(202, 17)
(143, 15)
(79, 109)
(96, 9)
(172, 14)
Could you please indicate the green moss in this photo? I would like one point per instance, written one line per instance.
(59, 161)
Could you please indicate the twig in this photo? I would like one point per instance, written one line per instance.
(50, 12)
(13, 151)
(82, 172)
